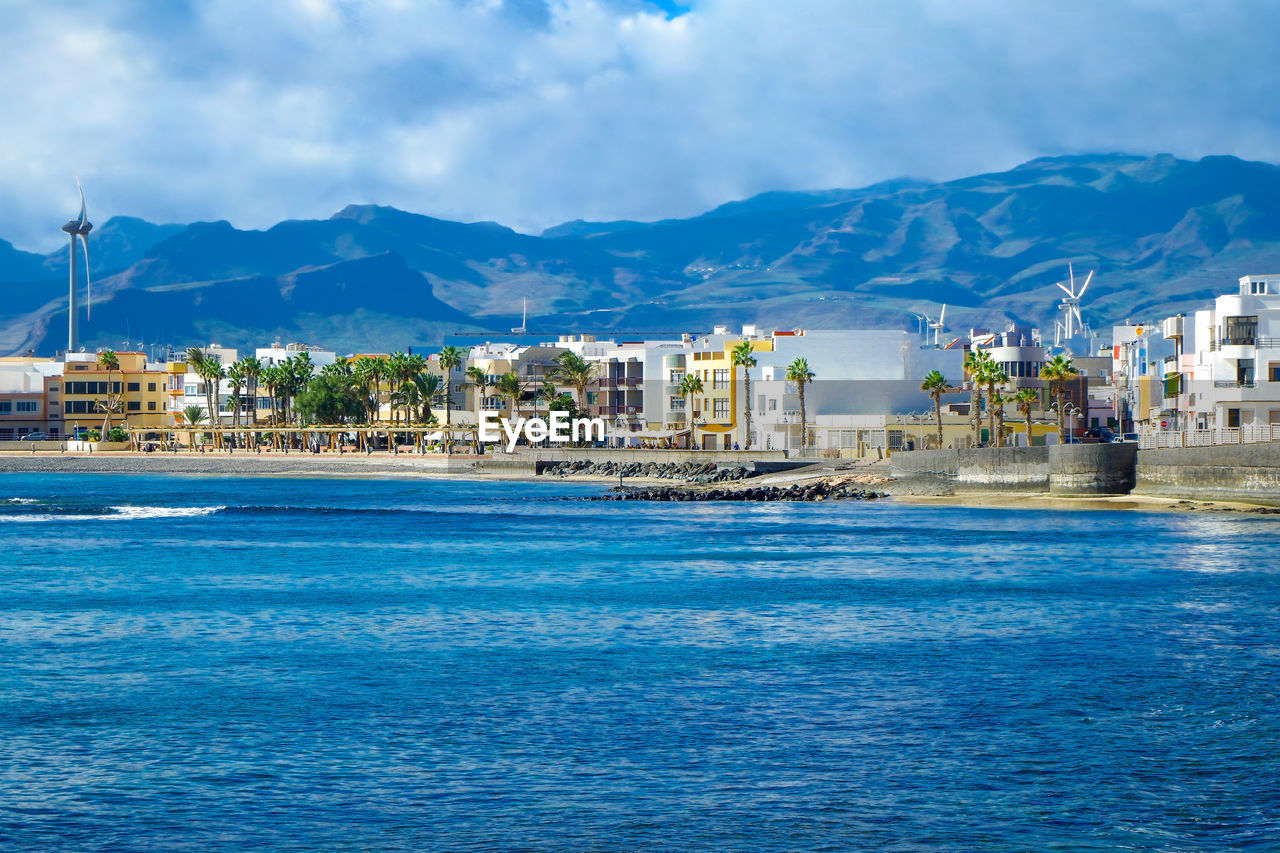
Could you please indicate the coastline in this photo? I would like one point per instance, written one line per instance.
(462, 467)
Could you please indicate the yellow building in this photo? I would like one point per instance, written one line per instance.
(137, 395)
(717, 412)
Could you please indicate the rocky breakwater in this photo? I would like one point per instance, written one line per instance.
(825, 489)
(688, 472)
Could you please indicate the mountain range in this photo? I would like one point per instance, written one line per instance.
(1163, 234)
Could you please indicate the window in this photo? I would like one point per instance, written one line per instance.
(135, 386)
(133, 406)
(1239, 331)
(677, 376)
(1273, 371)
(1259, 287)
(721, 408)
(721, 379)
(1233, 419)
(5, 407)
(151, 386)
(78, 407)
(28, 406)
(151, 405)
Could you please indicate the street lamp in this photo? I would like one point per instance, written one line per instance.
(1069, 411)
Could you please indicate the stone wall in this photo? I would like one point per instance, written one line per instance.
(1092, 469)
(1248, 472)
(985, 469)
(1089, 469)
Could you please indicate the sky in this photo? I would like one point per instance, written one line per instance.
(535, 112)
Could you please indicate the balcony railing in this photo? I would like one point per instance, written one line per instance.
(1226, 383)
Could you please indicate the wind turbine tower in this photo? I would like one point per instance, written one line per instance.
(78, 228)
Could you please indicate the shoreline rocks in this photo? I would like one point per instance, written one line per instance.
(797, 492)
(688, 472)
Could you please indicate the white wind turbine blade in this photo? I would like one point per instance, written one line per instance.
(941, 316)
(84, 214)
(88, 286)
(1085, 286)
(1071, 276)
(1064, 289)
(1076, 310)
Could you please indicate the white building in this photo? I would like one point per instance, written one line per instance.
(1231, 375)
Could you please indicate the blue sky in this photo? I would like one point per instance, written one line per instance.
(532, 112)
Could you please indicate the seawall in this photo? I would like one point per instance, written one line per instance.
(1243, 472)
(1071, 469)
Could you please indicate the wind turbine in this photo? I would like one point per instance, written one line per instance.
(937, 325)
(1070, 306)
(79, 227)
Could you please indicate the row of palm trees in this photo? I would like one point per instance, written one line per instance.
(354, 390)
(985, 373)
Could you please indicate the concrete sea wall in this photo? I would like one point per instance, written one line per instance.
(989, 469)
(1246, 472)
(1092, 469)
(1076, 469)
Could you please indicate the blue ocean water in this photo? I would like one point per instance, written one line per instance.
(319, 664)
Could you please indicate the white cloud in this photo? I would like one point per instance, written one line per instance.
(530, 113)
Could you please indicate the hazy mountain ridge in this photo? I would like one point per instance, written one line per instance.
(1164, 234)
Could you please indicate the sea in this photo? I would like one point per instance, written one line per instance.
(226, 663)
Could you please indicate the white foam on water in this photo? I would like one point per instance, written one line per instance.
(22, 501)
(122, 513)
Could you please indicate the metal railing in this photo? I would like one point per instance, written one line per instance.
(1227, 383)
(1165, 439)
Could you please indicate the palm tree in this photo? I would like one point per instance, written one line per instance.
(510, 387)
(546, 394)
(429, 386)
(575, 371)
(450, 357)
(1026, 398)
(936, 385)
(252, 368)
(194, 416)
(743, 357)
(477, 377)
(274, 379)
(299, 370)
(1057, 371)
(110, 362)
(997, 399)
(406, 398)
(993, 375)
(370, 372)
(212, 372)
(975, 365)
(237, 378)
(690, 384)
(798, 372)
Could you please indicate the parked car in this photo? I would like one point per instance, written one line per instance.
(35, 436)
(1126, 437)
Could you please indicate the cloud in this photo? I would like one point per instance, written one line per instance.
(531, 112)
